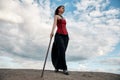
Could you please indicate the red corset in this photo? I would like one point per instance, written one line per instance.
(61, 26)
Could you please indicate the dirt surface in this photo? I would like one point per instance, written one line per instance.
(29, 74)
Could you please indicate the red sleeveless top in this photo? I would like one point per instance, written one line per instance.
(61, 26)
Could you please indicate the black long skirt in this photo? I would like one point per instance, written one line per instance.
(58, 51)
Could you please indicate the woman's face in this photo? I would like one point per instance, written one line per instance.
(61, 9)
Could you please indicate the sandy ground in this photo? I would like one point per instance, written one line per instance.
(29, 74)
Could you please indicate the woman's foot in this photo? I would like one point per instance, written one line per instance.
(65, 72)
(56, 70)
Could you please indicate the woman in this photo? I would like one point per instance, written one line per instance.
(60, 41)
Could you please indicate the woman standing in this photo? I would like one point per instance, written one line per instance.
(60, 41)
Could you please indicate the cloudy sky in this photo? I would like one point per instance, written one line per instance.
(93, 26)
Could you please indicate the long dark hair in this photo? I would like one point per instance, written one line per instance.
(57, 9)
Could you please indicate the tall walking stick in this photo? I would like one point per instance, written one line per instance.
(46, 58)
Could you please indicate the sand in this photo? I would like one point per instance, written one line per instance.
(30, 74)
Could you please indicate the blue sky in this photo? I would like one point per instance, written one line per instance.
(93, 26)
(115, 3)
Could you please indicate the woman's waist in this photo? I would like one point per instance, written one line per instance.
(61, 34)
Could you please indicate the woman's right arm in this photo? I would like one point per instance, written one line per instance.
(54, 25)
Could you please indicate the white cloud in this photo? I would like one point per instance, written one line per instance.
(96, 14)
(104, 64)
(95, 31)
(111, 61)
(25, 26)
(7, 62)
(9, 16)
(16, 63)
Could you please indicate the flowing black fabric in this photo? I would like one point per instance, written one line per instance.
(58, 51)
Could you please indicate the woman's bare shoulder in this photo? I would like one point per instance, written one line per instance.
(57, 16)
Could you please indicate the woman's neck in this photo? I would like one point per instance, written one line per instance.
(60, 14)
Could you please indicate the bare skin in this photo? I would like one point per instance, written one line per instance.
(56, 17)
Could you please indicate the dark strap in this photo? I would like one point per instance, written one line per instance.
(61, 16)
